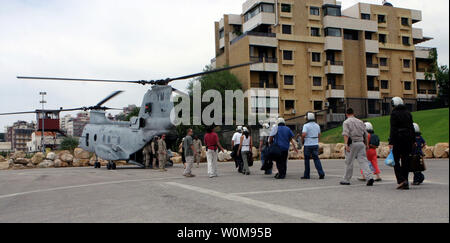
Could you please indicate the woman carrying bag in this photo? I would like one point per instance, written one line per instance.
(245, 149)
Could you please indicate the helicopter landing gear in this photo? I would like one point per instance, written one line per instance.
(111, 165)
(97, 165)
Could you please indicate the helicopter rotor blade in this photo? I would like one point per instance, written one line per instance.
(108, 98)
(204, 73)
(81, 80)
(17, 113)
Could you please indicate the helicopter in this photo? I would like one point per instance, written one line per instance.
(124, 141)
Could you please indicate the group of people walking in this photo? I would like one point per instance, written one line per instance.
(361, 145)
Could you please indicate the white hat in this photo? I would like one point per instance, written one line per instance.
(239, 128)
(281, 120)
(310, 116)
(245, 129)
(369, 126)
(396, 101)
(266, 126)
(416, 127)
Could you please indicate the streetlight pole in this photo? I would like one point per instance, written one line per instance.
(43, 121)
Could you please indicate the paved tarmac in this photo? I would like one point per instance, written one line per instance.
(135, 195)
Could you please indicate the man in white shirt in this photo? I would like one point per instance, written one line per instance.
(235, 142)
(310, 139)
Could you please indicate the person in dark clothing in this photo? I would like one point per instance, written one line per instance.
(420, 144)
(283, 137)
(401, 141)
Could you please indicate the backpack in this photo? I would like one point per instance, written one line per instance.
(374, 140)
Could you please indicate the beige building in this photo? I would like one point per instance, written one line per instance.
(316, 56)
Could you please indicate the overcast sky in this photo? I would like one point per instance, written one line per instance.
(129, 40)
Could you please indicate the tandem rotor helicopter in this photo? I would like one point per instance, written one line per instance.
(124, 141)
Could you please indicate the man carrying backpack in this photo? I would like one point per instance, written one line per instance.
(374, 143)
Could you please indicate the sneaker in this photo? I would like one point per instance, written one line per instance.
(370, 182)
(345, 183)
(403, 186)
(322, 177)
(276, 176)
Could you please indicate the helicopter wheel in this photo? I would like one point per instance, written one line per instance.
(97, 165)
(113, 166)
(109, 166)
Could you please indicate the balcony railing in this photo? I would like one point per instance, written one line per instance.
(262, 34)
(371, 65)
(432, 91)
(373, 88)
(337, 87)
(335, 63)
(264, 59)
(425, 92)
(422, 91)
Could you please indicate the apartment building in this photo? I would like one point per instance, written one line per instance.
(19, 134)
(315, 56)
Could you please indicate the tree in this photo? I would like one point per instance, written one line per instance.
(441, 75)
(69, 143)
(134, 112)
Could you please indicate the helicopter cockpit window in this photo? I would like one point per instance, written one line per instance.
(95, 138)
(87, 139)
(148, 108)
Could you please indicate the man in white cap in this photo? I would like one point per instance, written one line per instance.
(235, 142)
(310, 139)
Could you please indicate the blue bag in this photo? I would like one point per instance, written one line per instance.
(390, 160)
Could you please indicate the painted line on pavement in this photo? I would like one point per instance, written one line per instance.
(266, 206)
(85, 185)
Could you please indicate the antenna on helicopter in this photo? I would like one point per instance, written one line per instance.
(144, 82)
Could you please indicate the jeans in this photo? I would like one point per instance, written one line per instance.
(265, 160)
(282, 164)
(312, 151)
(246, 168)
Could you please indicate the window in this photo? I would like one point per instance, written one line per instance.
(384, 84)
(316, 57)
(267, 8)
(87, 139)
(383, 62)
(368, 35)
(148, 108)
(289, 105)
(288, 80)
(287, 29)
(351, 35)
(317, 81)
(95, 138)
(370, 83)
(365, 16)
(314, 11)
(405, 21)
(408, 86)
(333, 32)
(221, 34)
(285, 8)
(264, 7)
(382, 38)
(381, 18)
(318, 105)
(405, 40)
(406, 63)
(315, 32)
(332, 11)
(287, 55)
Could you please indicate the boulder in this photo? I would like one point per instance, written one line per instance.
(18, 167)
(440, 150)
(38, 158)
(176, 160)
(384, 151)
(2, 159)
(294, 156)
(81, 154)
(51, 156)
(255, 152)
(4, 165)
(31, 165)
(203, 155)
(228, 156)
(17, 155)
(47, 164)
(66, 157)
(93, 159)
(60, 164)
(428, 151)
(79, 162)
(22, 161)
(338, 152)
(121, 163)
(326, 151)
(221, 156)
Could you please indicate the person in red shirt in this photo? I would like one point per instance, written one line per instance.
(212, 144)
(372, 155)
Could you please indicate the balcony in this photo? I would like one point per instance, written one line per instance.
(335, 91)
(333, 43)
(373, 69)
(258, 38)
(372, 46)
(373, 93)
(334, 67)
(350, 23)
(423, 52)
(426, 94)
(263, 18)
(265, 64)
